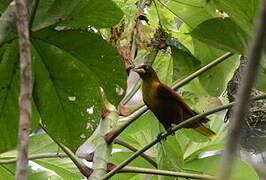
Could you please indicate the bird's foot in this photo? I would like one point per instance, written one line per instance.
(160, 137)
(170, 131)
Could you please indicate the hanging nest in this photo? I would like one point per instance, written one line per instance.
(253, 138)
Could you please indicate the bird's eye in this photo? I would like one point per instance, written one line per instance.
(146, 68)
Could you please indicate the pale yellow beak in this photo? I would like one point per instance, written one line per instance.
(139, 70)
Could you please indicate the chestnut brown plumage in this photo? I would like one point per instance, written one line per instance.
(166, 104)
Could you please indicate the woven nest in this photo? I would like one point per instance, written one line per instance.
(254, 134)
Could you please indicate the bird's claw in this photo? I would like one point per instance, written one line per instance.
(160, 137)
(170, 131)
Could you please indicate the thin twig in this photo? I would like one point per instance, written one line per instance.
(25, 90)
(129, 169)
(147, 158)
(177, 84)
(177, 127)
(240, 112)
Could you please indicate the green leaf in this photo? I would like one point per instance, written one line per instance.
(8, 172)
(222, 33)
(215, 80)
(243, 12)
(67, 79)
(91, 50)
(9, 93)
(35, 147)
(61, 105)
(100, 14)
(184, 62)
(190, 15)
(261, 77)
(169, 154)
(193, 149)
(50, 12)
(3, 5)
(64, 168)
(210, 165)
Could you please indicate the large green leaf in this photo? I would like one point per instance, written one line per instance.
(100, 14)
(78, 14)
(69, 70)
(50, 12)
(215, 80)
(9, 92)
(210, 165)
(191, 15)
(61, 105)
(243, 12)
(222, 33)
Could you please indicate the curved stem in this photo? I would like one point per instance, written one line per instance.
(164, 135)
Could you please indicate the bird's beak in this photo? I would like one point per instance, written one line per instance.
(139, 70)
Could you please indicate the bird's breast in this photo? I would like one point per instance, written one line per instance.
(150, 95)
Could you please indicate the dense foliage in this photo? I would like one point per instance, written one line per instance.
(75, 47)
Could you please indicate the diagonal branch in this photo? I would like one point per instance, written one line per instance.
(249, 78)
(177, 127)
(109, 137)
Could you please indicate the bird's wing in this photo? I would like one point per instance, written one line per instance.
(173, 98)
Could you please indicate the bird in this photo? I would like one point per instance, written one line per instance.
(168, 106)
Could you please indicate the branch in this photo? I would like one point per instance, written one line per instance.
(147, 158)
(109, 137)
(25, 90)
(177, 127)
(165, 173)
(238, 120)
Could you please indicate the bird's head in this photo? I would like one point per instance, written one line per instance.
(146, 73)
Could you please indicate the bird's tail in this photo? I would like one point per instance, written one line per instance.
(205, 131)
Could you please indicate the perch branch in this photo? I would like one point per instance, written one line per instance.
(177, 127)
